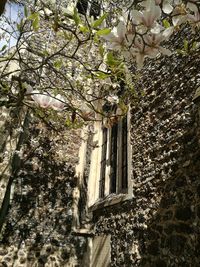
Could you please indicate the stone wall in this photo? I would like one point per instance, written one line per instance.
(38, 228)
(160, 226)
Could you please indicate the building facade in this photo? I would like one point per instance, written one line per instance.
(124, 195)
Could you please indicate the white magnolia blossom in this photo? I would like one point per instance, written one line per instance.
(195, 18)
(47, 101)
(179, 15)
(114, 99)
(192, 5)
(117, 37)
(149, 16)
(141, 35)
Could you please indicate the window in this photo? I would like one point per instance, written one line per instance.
(110, 163)
(94, 7)
(82, 6)
(114, 159)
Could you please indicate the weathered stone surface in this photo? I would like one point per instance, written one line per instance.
(164, 215)
(183, 213)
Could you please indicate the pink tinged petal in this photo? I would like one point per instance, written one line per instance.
(156, 29)
(192, 7)
(121, 30)
(158, 2)
(44, 101)
(167, 8)
(165, 51)
(195, 17)
(151, 52)
(136, 16)
(140, 60)
(167, 33)
(109, 37)
(178, 20)
(58, 103)
(157, 12)
(150, 16)
(192, 18)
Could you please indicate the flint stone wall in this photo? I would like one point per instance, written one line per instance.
(160, 226)
(38, 227)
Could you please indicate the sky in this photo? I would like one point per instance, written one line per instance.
(12, 15)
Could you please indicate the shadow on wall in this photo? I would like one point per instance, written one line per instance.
(38, 226)
(172, 235)
(160, 226)
(171, 156)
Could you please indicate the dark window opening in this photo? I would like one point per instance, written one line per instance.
(95, 9)
(113, 158)
(103, 163)
(82, 6)
(124, 173)
(114, 152)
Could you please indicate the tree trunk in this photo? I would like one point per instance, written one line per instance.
(2, 6)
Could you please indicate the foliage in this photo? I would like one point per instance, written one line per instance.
(61, 60)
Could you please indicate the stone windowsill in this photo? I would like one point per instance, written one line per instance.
(109, 201)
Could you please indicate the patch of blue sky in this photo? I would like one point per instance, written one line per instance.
(9, 34)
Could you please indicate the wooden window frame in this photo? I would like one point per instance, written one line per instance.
(95, 195)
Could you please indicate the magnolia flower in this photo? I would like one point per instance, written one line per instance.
(149, 16)
(47, 101)
(149, 46)
(43, 100)
(114, 99)
(195, 18)
(58, 103)
(192, 5)
(140, 51)
(155, 39)
(117, 36)
(166, 5)
(179, 15)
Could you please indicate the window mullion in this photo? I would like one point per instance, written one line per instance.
(119, 159)
(108, 162)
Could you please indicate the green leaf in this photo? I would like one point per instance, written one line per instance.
(166, 23)
(194, 45)
(101, 75)
(84, 29)
(105, 31)
(36, 24)
(3, 48)
(101, 50)
(99, 21)
(25, 11)
(111, 61)
(179, 51)
(33, 16)
(58, 64)
(68, 122)
(185, 45)
(76, 17)
(35, 21)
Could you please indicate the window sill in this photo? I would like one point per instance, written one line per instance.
(109, 201)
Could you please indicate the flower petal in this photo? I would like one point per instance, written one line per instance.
(165, 51)
(136, 17)
(192, 7)
(167, 8)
